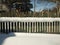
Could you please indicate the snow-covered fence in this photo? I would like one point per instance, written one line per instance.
(30, 25)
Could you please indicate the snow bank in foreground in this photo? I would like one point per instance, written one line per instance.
(30, 39)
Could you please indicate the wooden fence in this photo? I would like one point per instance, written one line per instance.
(29, 25)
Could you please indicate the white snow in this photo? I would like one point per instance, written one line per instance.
(29, 19)
(30, 39)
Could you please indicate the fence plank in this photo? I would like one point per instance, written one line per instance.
(19, 26)
(37, 27)
(52, 27)
(27, 26)
(32, 26)
(40, 26)
(24, 26)
(47, 27)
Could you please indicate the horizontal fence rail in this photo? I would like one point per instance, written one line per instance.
(29, 25)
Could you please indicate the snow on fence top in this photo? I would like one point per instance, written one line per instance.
(28, 19)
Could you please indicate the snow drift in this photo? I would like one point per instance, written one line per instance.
(29, 19)
(30, 39)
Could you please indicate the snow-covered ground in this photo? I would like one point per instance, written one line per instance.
(29, 19)
(29, 39)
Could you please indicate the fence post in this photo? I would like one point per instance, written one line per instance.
(7, 27)
(47, 27)
(52, 27)
(39, 26)
(32, 27)
(19, 26)
(24, 26)
(27, 27)
(59, 26)
(42, 27)
(35, 26)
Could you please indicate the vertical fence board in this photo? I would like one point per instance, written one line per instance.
(52, 27)
(40, 26)
(7, 27)
(27, 26)
(4, 26)
(59, 26)
(32, 26)
(19, 27)
(37, 27)
(24, 26)
(47, 27)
